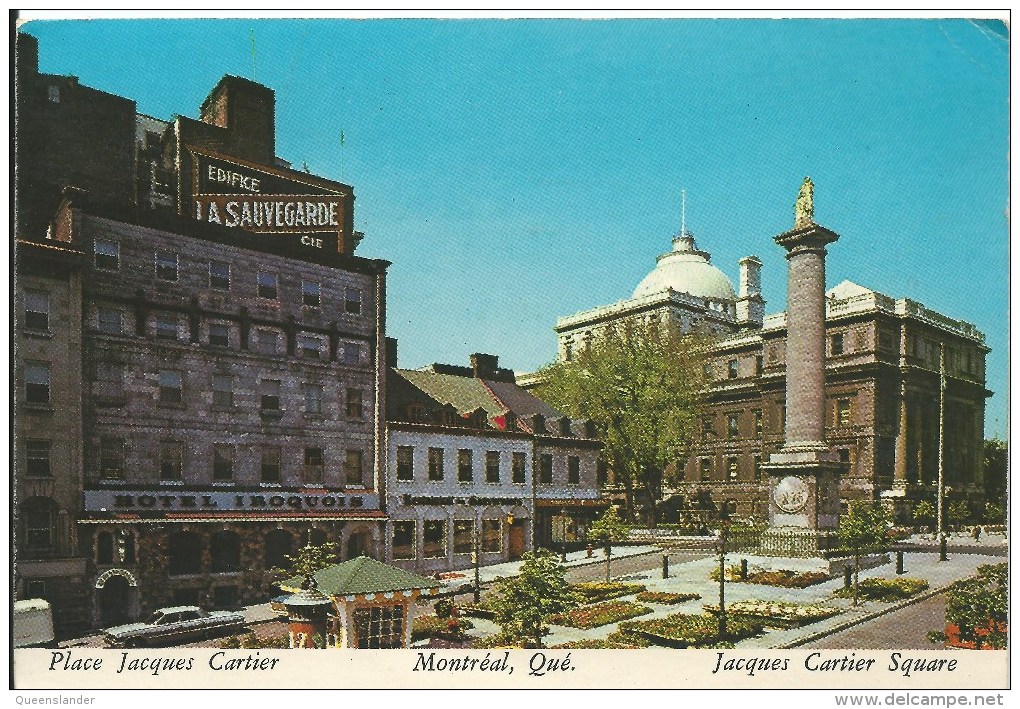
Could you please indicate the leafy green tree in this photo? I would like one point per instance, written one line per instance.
(862, 530)
(959, 513)
(996, 461)
(607, 529)
(643, 385)
(522, 602)
(994, 513)
(924, 513)
(979, 603)
(311, 559)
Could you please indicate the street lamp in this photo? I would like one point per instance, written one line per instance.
(476, 557)
(724, 525)
(563, 535)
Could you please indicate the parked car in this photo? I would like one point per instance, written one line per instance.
(33, 623)
(176, 624)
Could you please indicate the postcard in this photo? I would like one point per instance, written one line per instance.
(584, 352)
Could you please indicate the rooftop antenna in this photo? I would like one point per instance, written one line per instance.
(251, 34)
(683, 212)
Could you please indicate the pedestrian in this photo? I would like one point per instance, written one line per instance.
(976, 532)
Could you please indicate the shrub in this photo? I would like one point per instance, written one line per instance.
(781, 577)
(885, 589)
(599, 614)
(979, 607)
(497, 640)
(251, 641)
(592, 592)
(666, 597)
(606, 644)
(783, 611)
(685, 630)
(430, 626)
(444, 608)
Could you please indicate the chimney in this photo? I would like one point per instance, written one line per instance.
(750, 304)
(248, 112)
(564, 424)
(484, 366)
(391, 352)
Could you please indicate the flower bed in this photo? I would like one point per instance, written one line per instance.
(682, 630)
(606, 644)
(884, 589)
(599, 614)
(776, 614)
(593, 592)
(781, 577)
(430, 626)
(477, 610)
(666, 597)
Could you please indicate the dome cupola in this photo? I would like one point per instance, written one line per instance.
(686, 269)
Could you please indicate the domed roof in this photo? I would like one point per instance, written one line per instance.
(686, 269)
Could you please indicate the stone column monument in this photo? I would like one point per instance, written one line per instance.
(804, 474)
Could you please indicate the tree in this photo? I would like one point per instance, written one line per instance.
(994, 514)
(862, 529)
(311, 559)
(981, 603)
(607, 529)
(643, 386)
(522, 602)
(924, 513)
(996, 461)
(959, 513)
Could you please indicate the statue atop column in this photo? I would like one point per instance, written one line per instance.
(804, 210)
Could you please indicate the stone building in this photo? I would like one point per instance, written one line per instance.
(200, 362)
(882, 380)
(476, 461)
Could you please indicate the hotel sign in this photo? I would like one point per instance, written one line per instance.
(267, 500)
(264, 201)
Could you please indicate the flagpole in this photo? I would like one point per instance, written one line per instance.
(341, 154)
(254, 75)
(942, 428)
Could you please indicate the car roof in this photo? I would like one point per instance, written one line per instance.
(177, 609)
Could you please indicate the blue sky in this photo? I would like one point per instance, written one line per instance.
(515, 171)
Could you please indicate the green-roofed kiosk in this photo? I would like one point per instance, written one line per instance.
(371, 603)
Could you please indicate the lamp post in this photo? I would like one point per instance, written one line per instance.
(724, 525)
(563, 535)
(477, 559)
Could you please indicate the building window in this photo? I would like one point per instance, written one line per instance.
(111, 458)
(573, 470)
(757, 467)
(844, 455)
(171, 460)
(166, 266)
(706, 469)
(267, 341)
(354, 404)
(353, 468)
(37, 383)
(166, 327)
(602, 472)
(732, 425)
(545, 465)
(37, 459)
(759, 365)
(731, 468)
(219, 275)
(107, 255)
(53, 94)
(314, 465)
(219, 334)
(109, 381)
(434, 542)
(492, 466)
(706, 369)
(518, 468)
(310, 346)
(37, 310)
(435, 463)
(707, 424)
(110, 321)
(465, 466)
(732, 369)
(843, 412)
(379, 627)
(352, 301)
(270, 394)
(352, 353)
(39, 517)
(405, 463)
(313, 399)
(269, 469)
(463, 536)
(268, 288)
(403, 540)
(185, 555)
(225, 552)
(836, 344)
(492, 535)
(171, 387)
(278, 546)
(311, 294)
(758, 425)
(223, 462)
(223, 390)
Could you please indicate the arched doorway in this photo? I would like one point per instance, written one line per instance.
(358, 544)
(116, 598)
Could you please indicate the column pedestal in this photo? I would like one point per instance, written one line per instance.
(804, 502)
